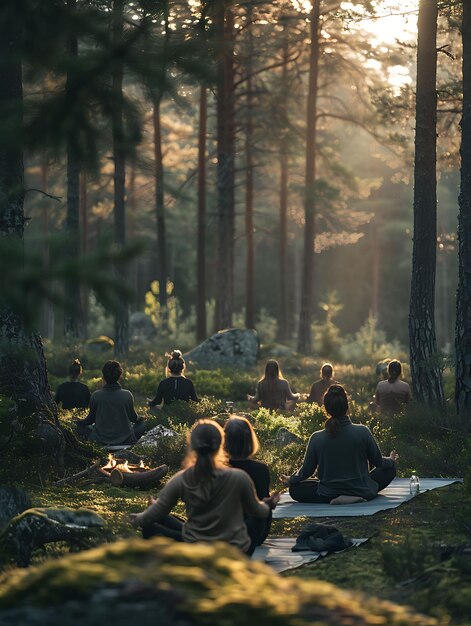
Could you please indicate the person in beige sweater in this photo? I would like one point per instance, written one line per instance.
(217, 497)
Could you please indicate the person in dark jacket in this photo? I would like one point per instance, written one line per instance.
(73, 394)
(241, 443)
(176, 386)
(341, 453)
(112, 420)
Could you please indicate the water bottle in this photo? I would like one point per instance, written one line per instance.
(229, 406)
(414, 485)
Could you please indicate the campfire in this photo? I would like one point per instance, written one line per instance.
(120, 473)
(124, 466)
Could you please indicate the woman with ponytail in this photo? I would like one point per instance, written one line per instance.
(73, 394)
(342, 453)
(217, 497)
(176, 386)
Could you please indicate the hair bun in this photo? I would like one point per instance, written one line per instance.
(76, 362)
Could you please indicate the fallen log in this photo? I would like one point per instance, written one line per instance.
(119, 478)
(78, 476)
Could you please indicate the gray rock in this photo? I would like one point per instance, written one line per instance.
(233, 347)
(100, 345)
(154, 436)
(37, 527)
(13, 501)
(284, 437)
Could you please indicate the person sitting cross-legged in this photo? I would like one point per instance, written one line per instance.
(394, 393)
(342, 453)
(176, 386)
(112, 420)
(273, 391)
(217, 498)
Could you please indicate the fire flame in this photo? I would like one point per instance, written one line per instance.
(111, 463)
(141, 464)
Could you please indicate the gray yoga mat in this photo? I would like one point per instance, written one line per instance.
(391, 497)
(277, 553)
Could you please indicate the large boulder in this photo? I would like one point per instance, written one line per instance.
(177, 584)
(233, 347)
(13, 501)
(154, 437)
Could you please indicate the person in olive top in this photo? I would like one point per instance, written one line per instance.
(341, 453)
(319, 388)
(273, 391)
(241, 443)
(176, 386)
(73, 394)
(112, 420)
(217, 498)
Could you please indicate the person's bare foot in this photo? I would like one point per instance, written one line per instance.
(347, 500)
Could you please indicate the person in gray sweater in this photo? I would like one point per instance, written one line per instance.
(112, 419)
(342, 454)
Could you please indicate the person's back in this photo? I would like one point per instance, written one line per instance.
(258, 472)
(73, 394)
(113, 408)
(174, 388)
(112, 420)
(392, 394)
(343, 461)
(274, 394)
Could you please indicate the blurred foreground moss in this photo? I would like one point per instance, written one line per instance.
(193, 584)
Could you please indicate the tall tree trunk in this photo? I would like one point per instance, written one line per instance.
(426, 375)
(23, 371)
(132, 231)
(283, 322)
(46, 326)
(375, 267)
(84, 291)
(249, 182)
(305, 315)
(463, 301)
(119, 156)
(201, 331)
(162, 273)
(73, 311)
(225, 168)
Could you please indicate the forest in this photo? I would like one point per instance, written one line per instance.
(190, 192)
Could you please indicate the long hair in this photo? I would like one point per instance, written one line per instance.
(241, 442)
(176, 362)
(336, 405)
(206, 449)
(394, 370)
(272, 371)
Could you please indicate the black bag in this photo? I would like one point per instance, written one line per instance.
(321, 538)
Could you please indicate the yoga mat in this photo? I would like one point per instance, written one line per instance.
(391, 497)
(277, 553)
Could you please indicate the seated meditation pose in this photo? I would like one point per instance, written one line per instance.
(392, 394)
(273, 391)
(217, 498)
(319, 388)
(342, 453)
(112, 420)
(176, 386)
(241, 444)
(73, 394)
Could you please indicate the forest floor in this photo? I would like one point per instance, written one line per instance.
(407, 559)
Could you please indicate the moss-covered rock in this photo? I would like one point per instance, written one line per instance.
(35, 528)
(164, 582)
